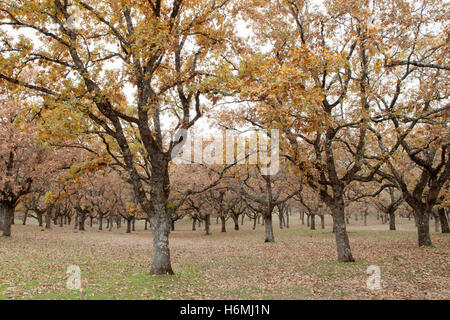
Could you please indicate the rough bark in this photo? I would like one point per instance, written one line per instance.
(160, 224)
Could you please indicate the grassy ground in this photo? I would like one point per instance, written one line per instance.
(233, 265)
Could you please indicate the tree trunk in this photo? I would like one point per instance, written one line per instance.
(236, 222)
(269, 228)
(81, 220)
(254, 223)
(61, 221)
(280, 218)
(308, 220)
(223, 220)
(133, 224)
(48, 221)
(146, 224)
(242, 219)
(100, 222)
(160, 224)
(25, 216)
(194, 222)
(443, 220)
(365, 218)
(303, 218)
(172, 224)
(436, 221)
(39, 219)
(392, 221)
(423, 228)
(6, 217)
(110, 222)
(128, 225)
(342, 242)
(90, 221)
(322, 221)
(207, 224)
(288, 213)
(313, 222)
